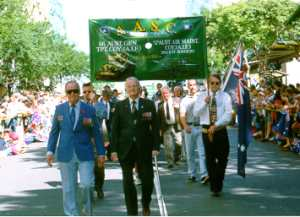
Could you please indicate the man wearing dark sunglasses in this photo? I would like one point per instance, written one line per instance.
(215, 111)
(73, 128)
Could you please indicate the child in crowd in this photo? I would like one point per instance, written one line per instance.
(295, 147)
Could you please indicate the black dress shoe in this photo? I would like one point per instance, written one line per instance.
(192, 179)
(146, 211)
(216, 194)
(100, 194)
(170, 166)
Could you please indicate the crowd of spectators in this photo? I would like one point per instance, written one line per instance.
(276, 114)
(25, 118)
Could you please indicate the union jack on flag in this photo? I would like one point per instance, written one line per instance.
(234, 83)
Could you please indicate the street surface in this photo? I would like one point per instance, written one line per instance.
(271, 187)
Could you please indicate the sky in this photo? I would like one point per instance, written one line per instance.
(77, 13)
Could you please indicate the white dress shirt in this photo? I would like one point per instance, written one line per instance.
(171, 110)
(187, 107)
(107, 106)
(224, 109)
(136, 103)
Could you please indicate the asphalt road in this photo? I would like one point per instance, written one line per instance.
(271, 187)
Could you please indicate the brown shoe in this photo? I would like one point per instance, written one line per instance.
(146, 211)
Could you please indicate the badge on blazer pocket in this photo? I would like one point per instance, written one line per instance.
(147, 116)
(60, 117)
(87, 122)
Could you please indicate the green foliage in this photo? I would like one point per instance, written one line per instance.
(30, 51)
(257, 23)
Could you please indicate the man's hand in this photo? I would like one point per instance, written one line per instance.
(155, 153)
(212, 129)
(100, 161)
(207, 99)
(188, 129)
(114, 156)
(50, 159)
(211, 132)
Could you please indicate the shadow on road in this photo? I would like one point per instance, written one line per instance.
(271, 187)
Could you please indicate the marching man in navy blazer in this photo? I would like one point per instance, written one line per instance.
(74, 127)
(135, 139)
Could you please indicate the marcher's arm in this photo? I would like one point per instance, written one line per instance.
(53, 138)
(200, 105)
(97, 134)
(227, 114)
(115, 133)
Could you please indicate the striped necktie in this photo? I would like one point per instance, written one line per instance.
(133, 108)
(213, 110)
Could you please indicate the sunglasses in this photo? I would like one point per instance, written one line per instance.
(76, 91)
(214, 83)
(88, 91)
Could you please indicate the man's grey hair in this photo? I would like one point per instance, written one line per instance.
(72, 81)
(133, 79)
(165, 88)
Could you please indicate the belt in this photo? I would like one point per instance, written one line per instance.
(170, 125)
(206, 127)
(194, 124)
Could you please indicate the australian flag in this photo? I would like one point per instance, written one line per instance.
(235, 85)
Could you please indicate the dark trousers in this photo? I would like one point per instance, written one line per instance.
(145, 171)
(99, 177)
(216, 153)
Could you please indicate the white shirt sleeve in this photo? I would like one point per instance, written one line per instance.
(225, 113)
(200, 105)
(182, 108)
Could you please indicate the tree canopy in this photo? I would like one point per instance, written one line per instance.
(30, 51)
(257, 23)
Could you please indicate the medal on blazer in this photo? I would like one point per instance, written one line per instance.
(60, 117)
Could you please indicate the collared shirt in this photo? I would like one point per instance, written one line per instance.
(187, 107)
(224, 108)
(77, 110)
(137, 100)
(171, 110)
(107, 106)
